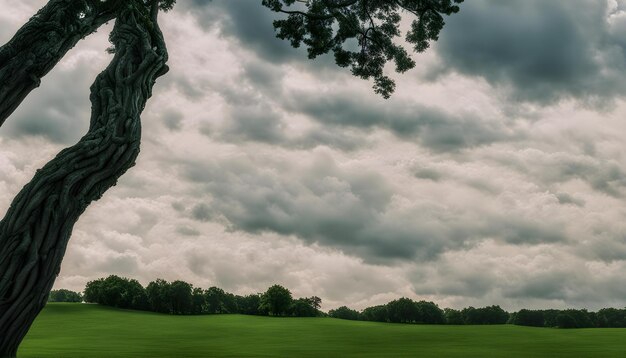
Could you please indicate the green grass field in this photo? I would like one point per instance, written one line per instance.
(78, 330)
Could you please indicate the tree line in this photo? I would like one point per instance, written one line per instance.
(405, 310)
(182, 298)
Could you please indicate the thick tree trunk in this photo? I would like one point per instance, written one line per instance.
(36, 229)
(41, 43)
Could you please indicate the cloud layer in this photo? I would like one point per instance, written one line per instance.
(495, 175)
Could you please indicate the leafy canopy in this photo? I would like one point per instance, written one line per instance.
(333, 25)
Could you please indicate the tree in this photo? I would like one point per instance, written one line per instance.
(215, 299)
(35, 230)
(565, 320)
(375, 313)
(328, 25)
(344, 312)
(276, 300)
(302, 307)
(529, 318)
(429, 313)
(453, 316)
(159, 296)
(315, 302)
(181, 297)
(612, 317)
(64, 295)
(248, 304)
(198, 302)
(402, 310)
(117, 291)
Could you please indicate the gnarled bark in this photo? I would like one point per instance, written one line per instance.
(36, 229)
(41, 43)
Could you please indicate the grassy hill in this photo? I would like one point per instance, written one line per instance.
(78, 330)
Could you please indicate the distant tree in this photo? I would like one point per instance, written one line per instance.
(180, 297)
(198, 301)
(485, 315)
(302, 307)
(529, 318)
(453, 316)
(137, 296)
(159, 296)
(229, 303)
(344, 312)
(403, 310)
(215, 299)
(315, 302)
(565, 320)
(276, 300)
(612, 317)
(63, 295)
(248, 304)
(549, 317)
(117, 291)
(93, 291)
(583, 318)
(375, 313)
(429, 313)
(494, 315)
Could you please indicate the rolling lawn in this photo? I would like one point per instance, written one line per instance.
(80, 330)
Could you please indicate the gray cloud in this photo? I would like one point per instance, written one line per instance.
(543, 51)
(202, 212)
(246, 21)
(431, 127)
(604, 175)
(58, 111)
(350, 210)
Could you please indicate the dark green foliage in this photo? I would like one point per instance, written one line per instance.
(485, 315)
(159, 296)
(583, 318)
(64, 295)
(564, 320)
(570, 318)
(405, 310)
(335, 26)
(375, 313)
(611, 317)
(117, 291)
(198, 301)
(166, 5)
(249, 304)
(453, 316)
(344, 312)
(276, 300)
(218, 301)
(181, 297)
(529, 318)
(429, 313)
(402, 310)
(302, 307)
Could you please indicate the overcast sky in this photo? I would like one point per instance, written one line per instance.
(496, 174)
